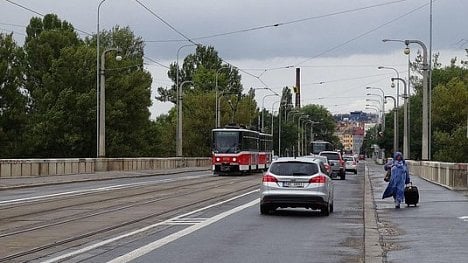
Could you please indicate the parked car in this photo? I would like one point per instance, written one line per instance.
(296, 182)
(351, 163)
(338, 165)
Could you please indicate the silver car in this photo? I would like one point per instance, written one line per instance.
(351, 163)
(296, 182)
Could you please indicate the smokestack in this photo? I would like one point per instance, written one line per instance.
(298, 88)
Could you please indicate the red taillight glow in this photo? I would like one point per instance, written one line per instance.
(234, 159)
(321, 179)
(218, 159)
(267, 178)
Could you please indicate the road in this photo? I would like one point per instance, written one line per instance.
(198, 217)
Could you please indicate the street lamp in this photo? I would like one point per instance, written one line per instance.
(98, 76)
(395, 142)
(217, 119)
(383, 106)
(312, 123)
(279, 126)
(279, 116)
(299, 140)
(378, 111)
(179, 119)
(102, 103)
(406, 149)
(398, 84)
(426, 140)
(263, 109)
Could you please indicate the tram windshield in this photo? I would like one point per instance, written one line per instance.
(226, 142)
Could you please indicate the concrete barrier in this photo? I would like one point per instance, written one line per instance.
(454, 176)
(44, 167)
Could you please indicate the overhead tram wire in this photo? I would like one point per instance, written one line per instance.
(189, 39)
(363, 34)
(156, 62)
(256, 28)
(42, 15)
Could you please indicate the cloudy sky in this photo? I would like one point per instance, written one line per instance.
(336, 43)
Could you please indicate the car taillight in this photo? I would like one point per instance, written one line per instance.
(342, 163)
(267, 178)
(321, 179)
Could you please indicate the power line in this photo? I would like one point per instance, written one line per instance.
(41, 15)
(156, 62)
(363, 34)
(256, 28)
(165, 22)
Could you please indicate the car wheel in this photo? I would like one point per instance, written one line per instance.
(325, 210)
(343, 176)
(331, 208)
(264, 210)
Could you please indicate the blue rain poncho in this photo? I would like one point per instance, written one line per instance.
(400, 177)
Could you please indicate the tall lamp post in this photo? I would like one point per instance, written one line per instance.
(395, 143)
(426, 140)
(98, 76)
(377, 110)
(299, 140)
(383, 106)
(179, 119)
(397, 105)
(102, 103)
(263, 109)
(406, 149)
(272, 111)
(217, 119)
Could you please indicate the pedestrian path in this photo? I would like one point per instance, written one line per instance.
(20, 182)
(434, 231)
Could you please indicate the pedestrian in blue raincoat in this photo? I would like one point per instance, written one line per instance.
(398, 180)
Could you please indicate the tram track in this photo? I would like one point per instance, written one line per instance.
(188, 191)
(104, 210)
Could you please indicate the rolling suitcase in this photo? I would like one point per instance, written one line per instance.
(411, 195)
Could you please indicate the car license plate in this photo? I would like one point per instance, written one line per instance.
(293, 184)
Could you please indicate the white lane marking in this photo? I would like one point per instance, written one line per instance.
(105, 242)
(163, 241)
(464, 218)
(93, 190)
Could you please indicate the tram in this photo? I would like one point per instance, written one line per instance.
(238, 150)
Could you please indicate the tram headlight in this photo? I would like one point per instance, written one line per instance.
(218, 159)
(234, 159)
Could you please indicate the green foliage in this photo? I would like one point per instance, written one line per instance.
(12, 100)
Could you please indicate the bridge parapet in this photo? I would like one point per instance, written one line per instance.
(45, 167)
(451, 175)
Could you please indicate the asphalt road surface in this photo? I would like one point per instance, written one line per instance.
(198, 217)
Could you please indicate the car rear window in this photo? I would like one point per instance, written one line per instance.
(293, 168)
(331, 156)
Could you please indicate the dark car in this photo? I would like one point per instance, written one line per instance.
(338, 165)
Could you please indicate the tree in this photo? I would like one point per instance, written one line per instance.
(450, 112)
(12, 99)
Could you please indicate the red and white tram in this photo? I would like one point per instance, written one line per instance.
(240, 150)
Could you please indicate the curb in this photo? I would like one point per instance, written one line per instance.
(373, 251)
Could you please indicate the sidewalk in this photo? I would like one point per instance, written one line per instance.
(21, 182)
(434, 231)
